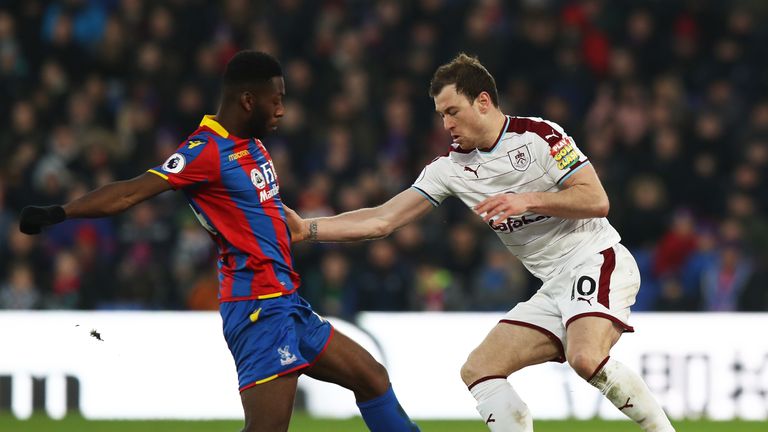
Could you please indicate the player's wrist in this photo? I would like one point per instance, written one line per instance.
(56, 214)
(312, 230)
(532, 201)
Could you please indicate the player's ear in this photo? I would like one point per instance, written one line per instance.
(247, 101)
(483, 102)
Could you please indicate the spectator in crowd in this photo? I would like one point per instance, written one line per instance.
(18, 290)
(463, 256)
(499, 281)
(667, 99)
(66, 282)
(676, 245)
(386, 282)
(724, 282)
(21, 248)
(644, 214)
(435, 289)
(332, 287)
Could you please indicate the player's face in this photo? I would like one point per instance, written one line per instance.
(461, 118)
(268, 108)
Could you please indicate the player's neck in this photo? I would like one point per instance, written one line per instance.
(228, 121)
(492, 132)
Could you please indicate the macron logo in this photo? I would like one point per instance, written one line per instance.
(238, 155)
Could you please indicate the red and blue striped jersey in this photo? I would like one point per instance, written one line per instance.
(232, 187)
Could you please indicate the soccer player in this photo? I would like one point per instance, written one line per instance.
(537, 191)
(230, 182)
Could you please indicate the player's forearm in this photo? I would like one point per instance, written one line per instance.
(363, 224)
(576, 202)
(107, 200)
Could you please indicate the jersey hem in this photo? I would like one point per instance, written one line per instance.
(257, 296)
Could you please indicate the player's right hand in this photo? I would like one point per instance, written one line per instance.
(34, 218)
(296, 225)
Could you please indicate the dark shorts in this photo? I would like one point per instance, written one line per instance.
(273, 337)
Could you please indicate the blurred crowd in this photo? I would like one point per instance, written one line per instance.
(667, 99)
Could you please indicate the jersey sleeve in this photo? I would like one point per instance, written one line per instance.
(558, 155)
(195, 161)
(430, 183)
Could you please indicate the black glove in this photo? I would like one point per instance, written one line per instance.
(34, 218)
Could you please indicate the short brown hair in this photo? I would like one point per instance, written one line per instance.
(469, 75)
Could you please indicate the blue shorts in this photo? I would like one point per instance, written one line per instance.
(273, 337)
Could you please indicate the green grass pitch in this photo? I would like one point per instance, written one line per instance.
(304, 423)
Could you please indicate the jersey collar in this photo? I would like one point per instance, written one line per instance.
(498, 138)
(210, 122)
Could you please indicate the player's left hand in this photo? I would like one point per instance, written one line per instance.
(500, 207)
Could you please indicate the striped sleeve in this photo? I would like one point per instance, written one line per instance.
(195, 161)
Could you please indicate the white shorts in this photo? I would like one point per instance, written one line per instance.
(603, 285)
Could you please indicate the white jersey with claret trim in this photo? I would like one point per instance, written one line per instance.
(530, 155)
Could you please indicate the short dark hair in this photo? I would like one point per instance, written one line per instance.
(468, 74)
(251, 67)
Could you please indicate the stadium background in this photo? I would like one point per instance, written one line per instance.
(667, 98)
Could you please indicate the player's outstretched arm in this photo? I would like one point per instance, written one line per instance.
(107, 200)
(364, 224)
(582, 196)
